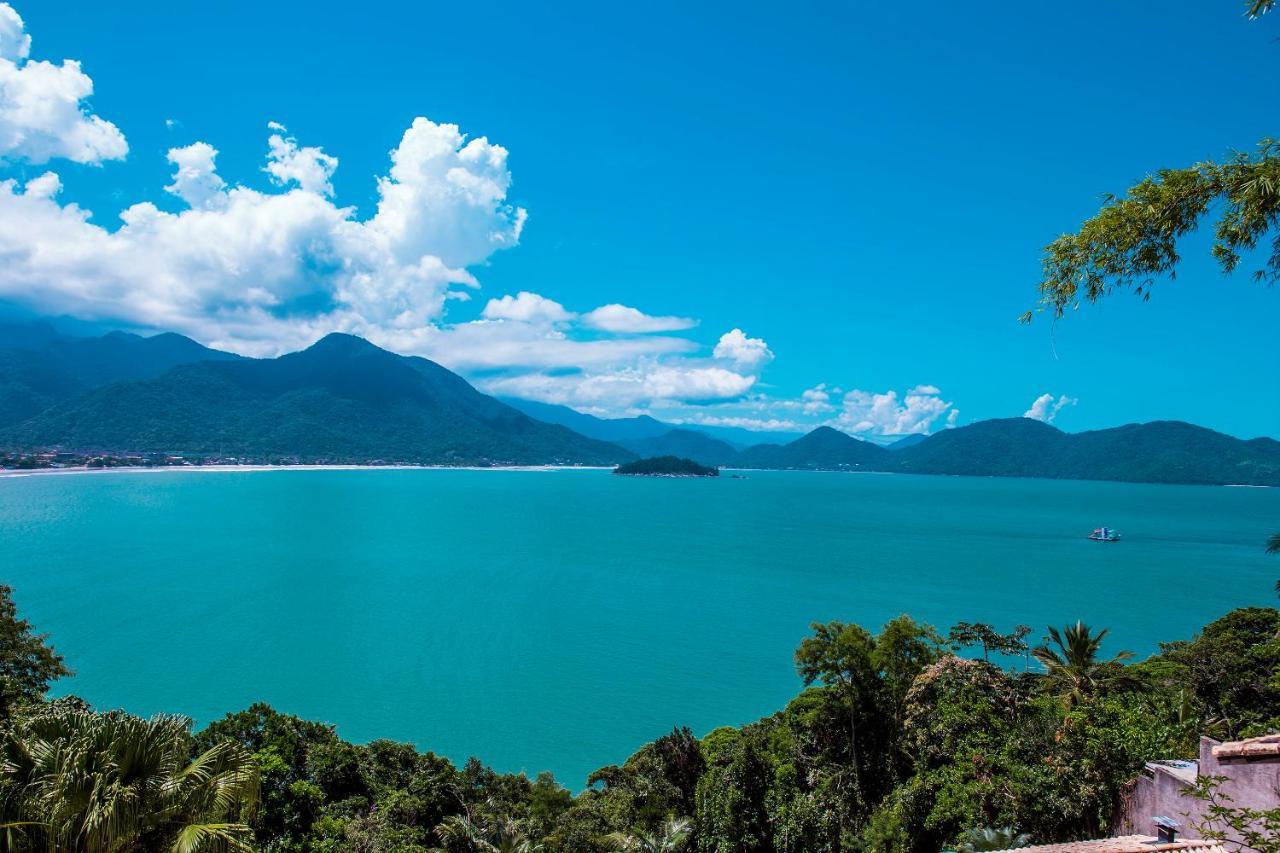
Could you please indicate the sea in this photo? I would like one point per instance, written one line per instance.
(556, 620)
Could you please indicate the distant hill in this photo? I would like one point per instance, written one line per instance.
(685, 443)
(823, 449)
(346, 400)
(636, 428)
(907, 441)
(1157, 452)
(604, 429)
(40, 367)
(342, 399)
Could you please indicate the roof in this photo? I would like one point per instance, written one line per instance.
(1131, 844)
(1186, 771)
(1267, 746)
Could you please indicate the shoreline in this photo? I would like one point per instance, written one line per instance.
(230, 469)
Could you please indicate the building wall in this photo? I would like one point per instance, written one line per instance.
(1251, 784)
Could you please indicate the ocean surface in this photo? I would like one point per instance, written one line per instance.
(557, 620)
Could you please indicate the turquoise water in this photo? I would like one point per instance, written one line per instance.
(559, 619)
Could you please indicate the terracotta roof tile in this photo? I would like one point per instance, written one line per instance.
(1254, 747)
(1130, 844)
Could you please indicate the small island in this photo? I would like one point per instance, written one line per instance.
(666, 466)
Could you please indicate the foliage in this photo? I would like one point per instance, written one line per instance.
(1073, 668)
(896, 745)
(666, 466)
(669, 839)
(99, 783)
(1004, 838)
(27, 662)
(1133, 239)
(1231, 669)
(1255, 830)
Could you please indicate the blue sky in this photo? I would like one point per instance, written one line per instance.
(861, 192)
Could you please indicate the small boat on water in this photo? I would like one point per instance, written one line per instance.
(1105, 534)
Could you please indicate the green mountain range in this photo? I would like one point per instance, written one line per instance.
(341, 400)
(346, 400)
(39, 367)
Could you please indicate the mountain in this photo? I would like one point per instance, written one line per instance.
(40, 367)
(686, 444)
(1157, 452)
(823, 449)
(632, 429)
(604, 429)
(343, 399)
(907, 441)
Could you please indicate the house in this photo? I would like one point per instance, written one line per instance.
(1131, 844)
(1249, 771)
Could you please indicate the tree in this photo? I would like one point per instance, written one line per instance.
(669, 838)
(1073, 668)
(1004, 838)
(501, 836)
(27, 662)
(1231, 668)
(839, 655)
(965, 634)
(1134, 238)
(101, 783)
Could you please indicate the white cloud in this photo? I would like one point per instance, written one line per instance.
(1046, 408)
(526, 307)
(15, 44)
(196, 181)
(265, 272)
(41, 111)
(742, 351)
(622, 319)
(817, 400)
(886, 414)
(757, 424)
(45, 186)
(644, 383)
(310, 168)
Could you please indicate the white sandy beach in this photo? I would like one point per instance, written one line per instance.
(226, 469)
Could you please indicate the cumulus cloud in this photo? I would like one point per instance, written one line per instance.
(627, 386)
(886, 414)
(196, 180)
(308, 167)
(42, 114)
(735, 347)
(817, 400)
(265, 272)
(623, 319)
(45, 186)
(1046, 408)
(526, 307)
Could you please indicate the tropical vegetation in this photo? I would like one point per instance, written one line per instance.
(896, 743)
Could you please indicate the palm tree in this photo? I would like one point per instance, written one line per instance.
(505, 836)
(101, 783)
(1073, 667)
(669, 838)
(1005, 838)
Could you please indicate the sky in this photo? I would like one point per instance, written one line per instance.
(751, 214)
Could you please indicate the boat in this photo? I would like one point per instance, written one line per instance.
(1105, 534)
